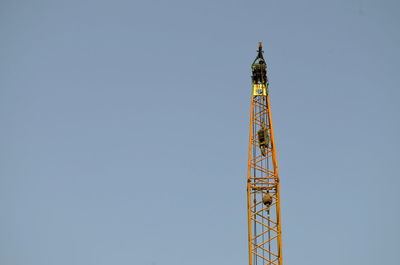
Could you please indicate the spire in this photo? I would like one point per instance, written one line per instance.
(260, 51)
(259, 68)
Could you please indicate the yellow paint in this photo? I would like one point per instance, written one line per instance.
(259, 90)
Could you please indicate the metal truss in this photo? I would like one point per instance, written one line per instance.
(264, 224)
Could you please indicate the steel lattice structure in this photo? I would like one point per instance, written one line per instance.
(263, 191)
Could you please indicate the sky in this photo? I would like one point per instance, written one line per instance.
(124, 130)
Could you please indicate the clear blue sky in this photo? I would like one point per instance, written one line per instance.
(124, 128)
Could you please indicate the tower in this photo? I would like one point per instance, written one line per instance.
(263, 194)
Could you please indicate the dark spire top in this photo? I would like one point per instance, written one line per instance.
(259, 68)
(260, 51)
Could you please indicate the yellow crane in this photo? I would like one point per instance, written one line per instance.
(263, 194)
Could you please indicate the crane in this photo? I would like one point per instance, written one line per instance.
(263, 190)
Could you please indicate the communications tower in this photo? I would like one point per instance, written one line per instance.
(263, 199)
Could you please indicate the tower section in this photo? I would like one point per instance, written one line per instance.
(263, 191)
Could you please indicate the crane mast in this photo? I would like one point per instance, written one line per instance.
(263, 193)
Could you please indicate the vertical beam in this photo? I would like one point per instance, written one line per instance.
(250, 152)
(276, 172)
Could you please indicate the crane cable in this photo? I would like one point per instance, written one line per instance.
(269, 217)
(263, 123)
